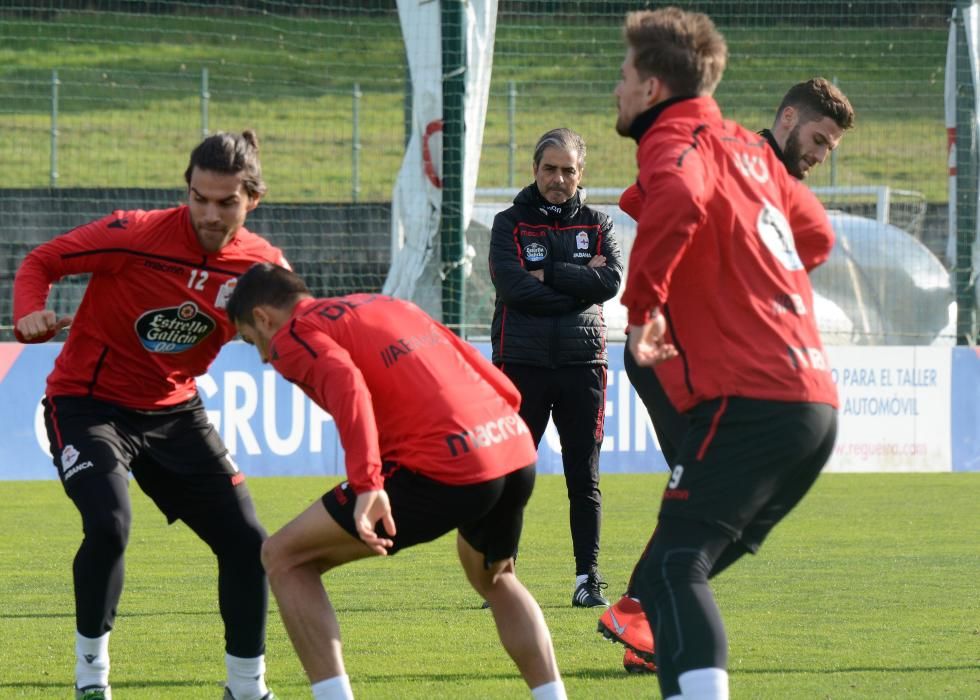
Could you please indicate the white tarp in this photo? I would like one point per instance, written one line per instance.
(971, 22)
(417, 198)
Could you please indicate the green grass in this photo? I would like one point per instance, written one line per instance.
(129, 110)
(869, 590)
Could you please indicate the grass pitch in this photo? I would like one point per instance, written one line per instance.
(868, 590)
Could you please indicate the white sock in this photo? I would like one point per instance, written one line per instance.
(550, 691)
(580, 579)
(704, 684)
(91, 660)
(246, 677)
(336, 688)
(675, 697)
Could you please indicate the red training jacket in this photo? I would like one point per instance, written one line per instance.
(401, 387)
(725, 237)
(152, 317)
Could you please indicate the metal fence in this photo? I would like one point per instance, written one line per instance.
(98, 96)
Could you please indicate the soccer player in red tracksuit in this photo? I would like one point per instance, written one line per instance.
(810, 122)
(433, 442)
(122, 398)
(719, 301)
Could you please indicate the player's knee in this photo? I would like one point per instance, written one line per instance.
(232, 531)
(108, 529)
(497, 569)
(666, 567)
(280, 558)
(272, 556)
(491, 578)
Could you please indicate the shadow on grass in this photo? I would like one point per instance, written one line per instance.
(477, 675)
(856, 669)
(618, 673)
(115, 685)
(160, 613)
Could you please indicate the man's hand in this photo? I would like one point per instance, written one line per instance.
(369, 508)
(39, 323)
(647, 345)
(537, 274)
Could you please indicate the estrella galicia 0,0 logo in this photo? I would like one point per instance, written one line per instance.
(174, 329)
(535, 252)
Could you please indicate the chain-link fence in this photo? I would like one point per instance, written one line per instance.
(99, 96)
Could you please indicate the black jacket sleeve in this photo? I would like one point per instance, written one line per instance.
(515, 286)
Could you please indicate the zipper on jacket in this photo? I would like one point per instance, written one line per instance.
(680, 350)
(97, 370)
(554, 350)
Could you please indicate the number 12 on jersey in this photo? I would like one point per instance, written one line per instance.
(197, 280)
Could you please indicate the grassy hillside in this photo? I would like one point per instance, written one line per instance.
(130, 107)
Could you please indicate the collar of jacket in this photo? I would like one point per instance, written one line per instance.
(644, 120)
(531, 196)
(767, 135)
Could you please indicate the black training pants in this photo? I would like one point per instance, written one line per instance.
(575, 397)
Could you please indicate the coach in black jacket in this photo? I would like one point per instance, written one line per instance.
(554, 261)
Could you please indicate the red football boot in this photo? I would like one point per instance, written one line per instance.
(637, 664)
(625, 623)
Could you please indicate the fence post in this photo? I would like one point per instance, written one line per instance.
(511, 130)
(452, 228)
(54, 128)
(205, 98)
(356, 144)
(966, 185)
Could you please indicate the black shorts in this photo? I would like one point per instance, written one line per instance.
(175, 454)
(489, 515)
(745, 463)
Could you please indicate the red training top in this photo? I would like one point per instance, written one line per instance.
(724, 239)
(403, 388)
(152, 315)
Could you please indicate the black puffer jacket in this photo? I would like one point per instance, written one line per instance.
(558, 322)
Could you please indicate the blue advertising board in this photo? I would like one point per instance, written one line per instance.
(272, 428)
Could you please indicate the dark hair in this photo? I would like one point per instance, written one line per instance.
(817, 98)
(230, 154)
(564, 139)
(683, 49)
(264, 284)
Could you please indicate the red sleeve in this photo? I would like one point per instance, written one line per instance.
(326, 372)
(631, 201)
(81, 250)
(672, 183)
(811, 228)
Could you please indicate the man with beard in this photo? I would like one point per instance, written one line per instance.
(809, 124)
(759, 416)
(122, 399)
